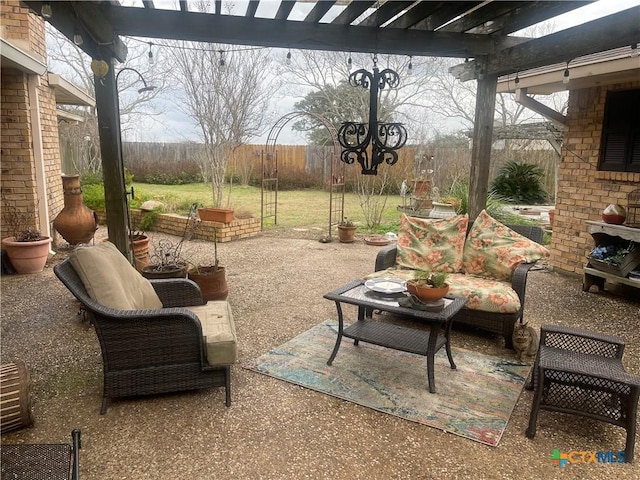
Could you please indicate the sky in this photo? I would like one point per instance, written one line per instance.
(174, 126)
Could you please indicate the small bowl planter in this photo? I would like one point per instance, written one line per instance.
(426, 293)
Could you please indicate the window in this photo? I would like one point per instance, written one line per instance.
(620, 149)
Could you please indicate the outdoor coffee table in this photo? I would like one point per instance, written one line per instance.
(396, 337)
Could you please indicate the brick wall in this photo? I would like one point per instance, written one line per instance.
(583, 191)
(174, 224)
(19, 194)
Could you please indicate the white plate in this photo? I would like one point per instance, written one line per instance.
(386, 285)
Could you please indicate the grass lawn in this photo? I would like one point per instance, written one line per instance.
(296, 209)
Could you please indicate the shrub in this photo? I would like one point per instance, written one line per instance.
(520, 183)
(91, 178)
(93, 196)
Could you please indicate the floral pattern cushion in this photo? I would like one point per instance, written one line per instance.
(493, 250)
(432, 244)
(484, 294)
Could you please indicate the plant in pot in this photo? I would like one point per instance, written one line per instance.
(27, 249)
(140, 247)
(211, 279)
(346, 231)
(428, 286)
(165, 262)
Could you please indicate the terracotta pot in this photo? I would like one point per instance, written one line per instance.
(221, 215)
(76, 222)
(426, 294)
(27, 257)
(421, 188)
(140, 249)
(346, 234)
(212, 283)
(153, 272)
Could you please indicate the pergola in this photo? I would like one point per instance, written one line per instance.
(478, 31)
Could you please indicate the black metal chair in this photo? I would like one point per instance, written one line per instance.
(581, 372)
(39, 461)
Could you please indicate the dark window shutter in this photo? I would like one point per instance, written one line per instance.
(620, 148)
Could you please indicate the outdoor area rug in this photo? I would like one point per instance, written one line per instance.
(475, 401)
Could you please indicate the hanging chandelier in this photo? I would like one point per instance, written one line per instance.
(371, 144)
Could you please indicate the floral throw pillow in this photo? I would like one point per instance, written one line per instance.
(435, 244)
(493, 250)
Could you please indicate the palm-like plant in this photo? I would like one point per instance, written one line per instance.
(520, 183)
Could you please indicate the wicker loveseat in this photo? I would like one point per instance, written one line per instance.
(155, 336)
(487, 263)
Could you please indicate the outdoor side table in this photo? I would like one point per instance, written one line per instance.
(405, 339)
(42, 461)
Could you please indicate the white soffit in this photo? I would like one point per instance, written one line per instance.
(69, 94)
(606, 68)
(14, 57)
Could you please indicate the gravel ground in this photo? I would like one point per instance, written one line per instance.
(277, 430)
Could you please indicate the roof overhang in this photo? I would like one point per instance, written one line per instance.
(69, 94)
(606, 68)
(15, 57)
(69, 117)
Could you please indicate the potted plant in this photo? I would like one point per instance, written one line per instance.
(221, 215)
(428, 286)
(27, 249)
(211, 279)
(140, 248)
(166, 262)
(346, 231)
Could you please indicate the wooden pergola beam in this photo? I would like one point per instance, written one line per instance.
(616, 30)
(200, 27)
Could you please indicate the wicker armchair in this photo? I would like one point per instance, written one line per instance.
(501, 323)
(147, 352)
(581, 372)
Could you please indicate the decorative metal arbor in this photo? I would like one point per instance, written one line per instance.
(269, 182)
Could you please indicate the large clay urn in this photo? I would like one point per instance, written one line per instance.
(76, 222)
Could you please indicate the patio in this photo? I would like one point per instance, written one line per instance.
(274, 429)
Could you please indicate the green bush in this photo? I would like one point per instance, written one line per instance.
(93, 196)
(91, 178)
(520, 183)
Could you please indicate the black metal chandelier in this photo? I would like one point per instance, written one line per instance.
(371, 144)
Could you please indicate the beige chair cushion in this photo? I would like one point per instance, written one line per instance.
(219, 332)
(111, 280)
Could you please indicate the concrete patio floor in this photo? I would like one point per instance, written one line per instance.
(273, 429)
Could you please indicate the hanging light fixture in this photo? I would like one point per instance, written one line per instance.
(221, 63)
(376, 142)
(565, 75)
(150, 54)
(77, 37)
(288, 60)
(46, 11)
(146, 88)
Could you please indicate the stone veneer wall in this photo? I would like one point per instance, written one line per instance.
(583, 191)
(174, 224)
(27, 32)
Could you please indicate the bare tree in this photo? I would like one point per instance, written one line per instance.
(80, 141)
(226, 93)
